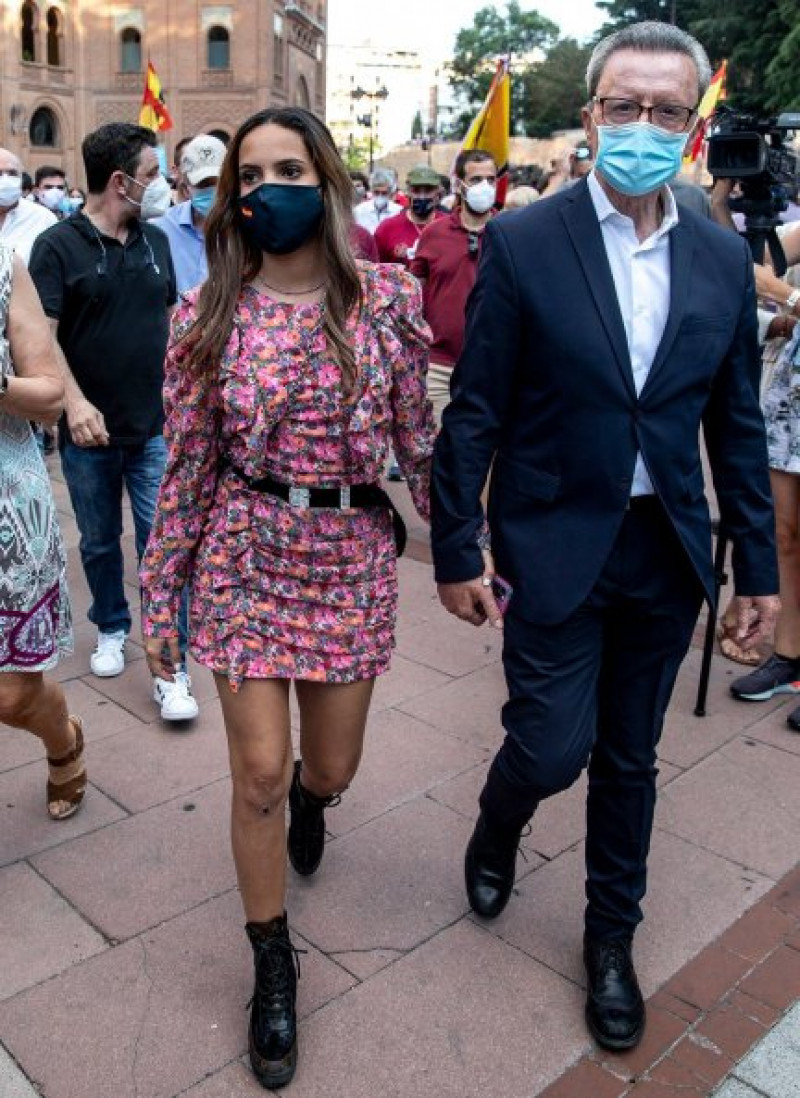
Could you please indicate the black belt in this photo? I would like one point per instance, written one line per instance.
(643, 503)
(343, 498)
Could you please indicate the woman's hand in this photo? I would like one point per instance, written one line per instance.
(163, 655)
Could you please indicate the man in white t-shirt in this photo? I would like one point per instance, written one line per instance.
(383, 186)
(21, 220)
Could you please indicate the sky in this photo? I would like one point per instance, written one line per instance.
(430, 26)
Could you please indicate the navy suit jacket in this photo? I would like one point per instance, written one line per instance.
(545, 388)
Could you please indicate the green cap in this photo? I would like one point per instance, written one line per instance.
(423, 176)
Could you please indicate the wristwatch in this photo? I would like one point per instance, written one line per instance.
(792, 299)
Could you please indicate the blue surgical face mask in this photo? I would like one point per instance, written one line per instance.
(638, 158)
(203, 200)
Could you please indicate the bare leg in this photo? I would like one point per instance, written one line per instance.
(30, 701)
(786, 494)
(260, 748)
(333, 719)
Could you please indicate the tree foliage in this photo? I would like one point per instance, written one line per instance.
(521, 34)
(555, 90)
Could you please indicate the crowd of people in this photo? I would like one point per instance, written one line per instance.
(245, 348)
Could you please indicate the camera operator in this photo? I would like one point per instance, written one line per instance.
(780, 398)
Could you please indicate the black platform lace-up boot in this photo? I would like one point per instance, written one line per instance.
(273, 1019)
(306, 838)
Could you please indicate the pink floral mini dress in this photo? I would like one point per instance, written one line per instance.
(278, 591)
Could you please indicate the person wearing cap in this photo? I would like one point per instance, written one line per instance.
(398, 236)
(200, 163)
(446, 263)
(381, 206)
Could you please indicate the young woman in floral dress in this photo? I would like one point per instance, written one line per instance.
(291, 372)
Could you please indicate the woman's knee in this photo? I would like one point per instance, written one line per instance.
(324, 778)
(18, 693)
(262, 787)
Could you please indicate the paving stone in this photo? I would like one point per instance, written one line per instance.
(776, 980)
(710, 977)
(148, 764)
(662, 1032)
(743, 803)
(703, 1058)
(772, 728)
(234, 1081)
(404, 682)
(151, 867)
(774, 1064)
(586, 1079)
(450, 645)
(693, 895)
(754, 1009)
(403, 758)
(152, 1017)
(731, 1032)
(364, 963)
(13, 1083)
(758, 932)
(391, 884)
(40, 934)
(438, 1023)
(734, 1088)
(76, 666)
(25, 827)
(468, 708)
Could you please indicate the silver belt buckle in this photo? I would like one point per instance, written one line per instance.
(344, 498)
(300, 497)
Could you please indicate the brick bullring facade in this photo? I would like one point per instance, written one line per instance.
(68, 66)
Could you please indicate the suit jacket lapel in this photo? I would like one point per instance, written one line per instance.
(583, 227)
(681, 248)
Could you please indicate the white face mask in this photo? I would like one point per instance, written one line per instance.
(52, 197)
(381, 201)
(480, 197)
(156, 197)
(10, 191)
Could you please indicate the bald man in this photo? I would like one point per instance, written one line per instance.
(21, 220)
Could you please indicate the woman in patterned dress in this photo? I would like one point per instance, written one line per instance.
(290, 373)
(35, 624)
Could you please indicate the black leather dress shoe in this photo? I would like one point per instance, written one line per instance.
(615, 1011)
(793, 720)
(489, 867)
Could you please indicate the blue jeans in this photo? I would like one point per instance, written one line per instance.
(95, 477)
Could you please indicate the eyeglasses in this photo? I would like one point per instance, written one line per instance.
(473, 243)
(667, 116)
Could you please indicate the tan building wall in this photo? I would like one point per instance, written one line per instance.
(67, 58)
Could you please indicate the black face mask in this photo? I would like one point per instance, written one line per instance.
(279, 218)
(422, 207)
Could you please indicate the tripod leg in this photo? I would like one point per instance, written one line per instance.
(720, 579)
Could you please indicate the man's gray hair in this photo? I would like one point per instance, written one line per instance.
(383, 177)
(649, 37)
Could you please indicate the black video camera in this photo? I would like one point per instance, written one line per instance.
(753, 151)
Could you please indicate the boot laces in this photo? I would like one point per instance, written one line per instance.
(273, 956)
(615, 957)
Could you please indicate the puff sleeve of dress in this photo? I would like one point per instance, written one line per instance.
(192, 408)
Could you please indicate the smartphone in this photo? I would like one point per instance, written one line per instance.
(502, 592)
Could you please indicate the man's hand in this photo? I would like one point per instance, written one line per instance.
(87, 427)
(163, 656)
(755, 618)
(473, 600)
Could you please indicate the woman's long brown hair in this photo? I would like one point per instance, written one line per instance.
(233, 259)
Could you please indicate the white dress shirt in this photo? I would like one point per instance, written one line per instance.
(23, 224)
(369, 218)
(641, 273)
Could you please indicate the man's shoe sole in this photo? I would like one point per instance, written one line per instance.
(765, 695)
(614, 1044)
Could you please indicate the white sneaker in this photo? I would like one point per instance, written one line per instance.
(108, 658)
(175, 698)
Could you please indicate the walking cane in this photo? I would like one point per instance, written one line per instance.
(720, 579)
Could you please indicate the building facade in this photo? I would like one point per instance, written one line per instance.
(69, 66)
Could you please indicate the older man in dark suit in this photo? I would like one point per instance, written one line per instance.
(604, 331)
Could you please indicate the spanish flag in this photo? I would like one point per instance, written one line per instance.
(490, 129)
(708, 104)
(154, 114)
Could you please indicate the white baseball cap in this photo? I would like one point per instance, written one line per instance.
(202, 158)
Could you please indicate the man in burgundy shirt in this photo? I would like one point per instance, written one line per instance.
(446, 263)
(397, 237)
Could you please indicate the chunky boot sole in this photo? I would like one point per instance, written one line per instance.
(614, 1044)
(273, 1074)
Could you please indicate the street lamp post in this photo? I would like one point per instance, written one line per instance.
(369, 119)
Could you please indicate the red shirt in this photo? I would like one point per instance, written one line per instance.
(363, 243)
(444, 262)
(395, 236)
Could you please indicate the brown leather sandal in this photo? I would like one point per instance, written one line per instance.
(71, 791)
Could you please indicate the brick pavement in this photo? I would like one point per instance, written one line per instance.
(124, 971)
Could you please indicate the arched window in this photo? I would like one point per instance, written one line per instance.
(130, 57)
(301, 96)
(219, 48)
(43, 129)
(55, 38)
(29, 15)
